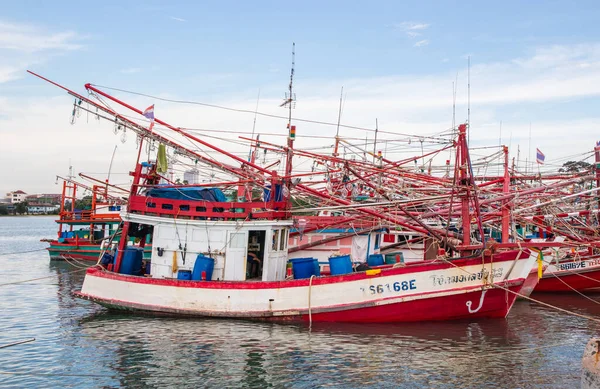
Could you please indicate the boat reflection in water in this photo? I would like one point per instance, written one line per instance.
(216, 353)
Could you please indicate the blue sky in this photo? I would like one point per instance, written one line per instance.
(532, 63)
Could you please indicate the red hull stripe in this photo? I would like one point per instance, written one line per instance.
(496, 303)
(586, 279)
(389, 271)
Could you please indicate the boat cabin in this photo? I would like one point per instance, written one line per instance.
(241, 251)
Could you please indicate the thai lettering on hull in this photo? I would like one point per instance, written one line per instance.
(439, 280)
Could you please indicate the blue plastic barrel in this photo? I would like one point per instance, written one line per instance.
(305, 267)
(278, 193)
(317, 269)
(340, 265)
(131, 263)
(184, 275)
(203, 264)
(375, 260)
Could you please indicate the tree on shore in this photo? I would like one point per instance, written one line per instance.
(21, 208)
(575, 167)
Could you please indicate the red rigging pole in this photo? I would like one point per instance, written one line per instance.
(154, 135)
(505, 203)
(463, 183)
(242, 161)
(597, 167)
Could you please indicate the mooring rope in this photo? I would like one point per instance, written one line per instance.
(309, 298)
(43, 278)
(548, 305)
(575, 290)
(22, 252)
(531, 299)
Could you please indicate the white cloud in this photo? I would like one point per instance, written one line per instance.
(9, 73)
(31, 39)
(130, 70)
(408, 103)
(412, 26)
(177, 19)
(414, 30)
(24, 45)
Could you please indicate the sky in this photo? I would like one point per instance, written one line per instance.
(534, 75)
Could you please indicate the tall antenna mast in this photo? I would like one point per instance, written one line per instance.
(500, 143)
(70, 176)
(337, 133)
(290, 103)
(469, 99)
(375, 142)
(529, 151)
(290, 97)
(110, 168)
(254, 125)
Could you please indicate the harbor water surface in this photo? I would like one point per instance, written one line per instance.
(79, 344)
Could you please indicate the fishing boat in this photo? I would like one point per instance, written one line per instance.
(576, 272)
(199, 267)
(84, 233)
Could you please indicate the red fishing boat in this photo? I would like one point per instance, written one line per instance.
(83, 234)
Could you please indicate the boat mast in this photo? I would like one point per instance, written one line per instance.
(290, 103)
(597, 167)
(337, 133)
(506, 202)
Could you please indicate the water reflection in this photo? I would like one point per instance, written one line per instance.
(207, 352)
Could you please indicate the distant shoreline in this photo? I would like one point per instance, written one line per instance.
(25, 215)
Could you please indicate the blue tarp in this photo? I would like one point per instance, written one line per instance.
(208, 194)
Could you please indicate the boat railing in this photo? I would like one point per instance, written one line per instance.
(207, 210)
(87, 216)
(77, 215)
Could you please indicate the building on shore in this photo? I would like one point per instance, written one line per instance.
(191, 176)
(44, 198)
(41, 208)
(16, 196)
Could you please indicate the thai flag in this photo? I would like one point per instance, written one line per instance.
(539, 156)
(149, 113)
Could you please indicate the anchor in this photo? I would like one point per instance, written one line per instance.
(469, 303)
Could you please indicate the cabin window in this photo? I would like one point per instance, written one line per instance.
(167, 206)
(275, 240)
(377, 241)
(237, 240)
(184, 207)
(200, 209)
(283, 239)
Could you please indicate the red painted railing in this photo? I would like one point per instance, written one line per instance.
(208, 210)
